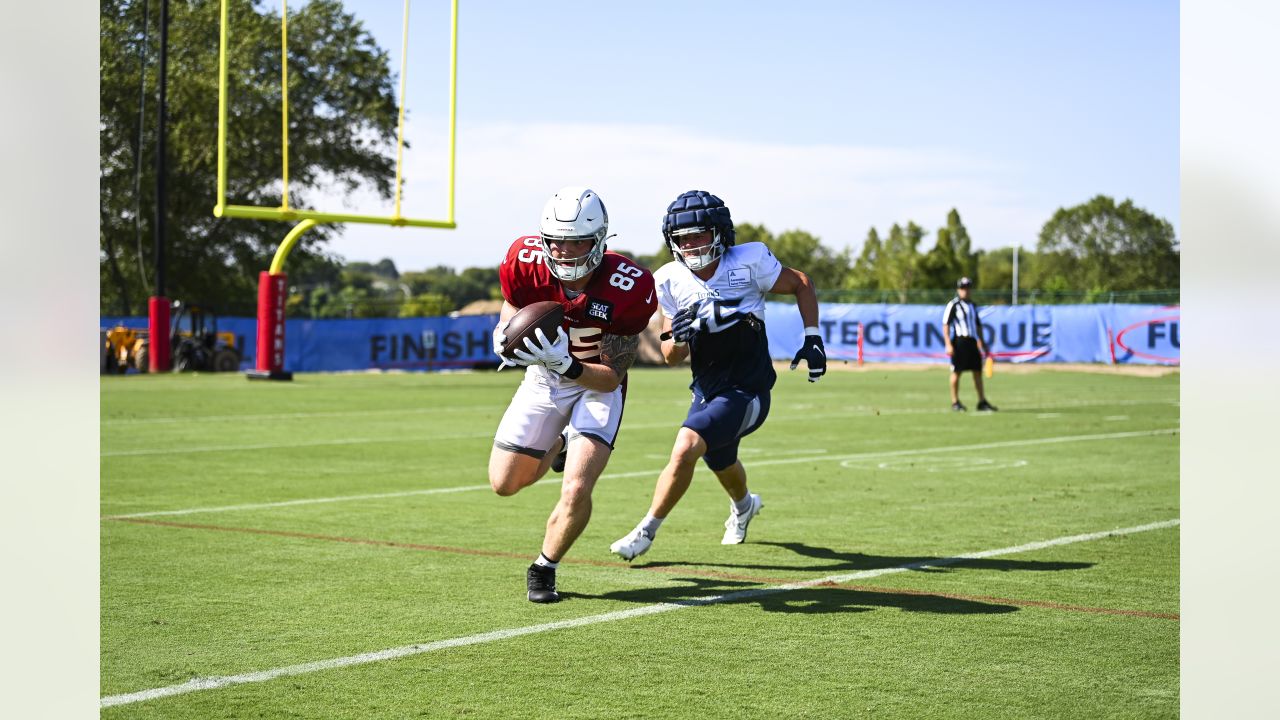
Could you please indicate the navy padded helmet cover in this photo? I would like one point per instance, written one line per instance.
(697, 208)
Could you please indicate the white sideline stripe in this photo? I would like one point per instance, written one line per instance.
(654, 473)
(212, 683)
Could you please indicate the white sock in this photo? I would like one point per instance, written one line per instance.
(650, 525)
(743, 506)
(545, 561)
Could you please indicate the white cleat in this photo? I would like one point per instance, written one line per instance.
(735, 528)
(632, 546)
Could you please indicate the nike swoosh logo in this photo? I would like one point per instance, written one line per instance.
(649, 299)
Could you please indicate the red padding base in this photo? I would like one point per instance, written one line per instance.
(158, 356)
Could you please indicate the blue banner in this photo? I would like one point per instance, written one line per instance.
(1138, 334)
(434, 343)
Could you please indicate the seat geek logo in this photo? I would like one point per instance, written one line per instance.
(600, 309)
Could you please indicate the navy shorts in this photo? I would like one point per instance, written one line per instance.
(724, 420)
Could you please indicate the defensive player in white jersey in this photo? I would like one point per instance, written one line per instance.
(568, 409)
(712, 297)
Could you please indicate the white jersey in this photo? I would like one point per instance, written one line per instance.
(727, 353)
(745, 273)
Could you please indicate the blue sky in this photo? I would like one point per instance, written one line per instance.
(832, 117)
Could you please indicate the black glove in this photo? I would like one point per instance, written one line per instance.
(684, 324)
(814, 354)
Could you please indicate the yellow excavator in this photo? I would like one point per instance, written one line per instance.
(124, 348)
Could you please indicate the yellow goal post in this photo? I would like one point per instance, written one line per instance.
(286, 213)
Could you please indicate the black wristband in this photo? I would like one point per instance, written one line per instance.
(575, 369)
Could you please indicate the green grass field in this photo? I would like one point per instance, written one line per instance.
(250, 527)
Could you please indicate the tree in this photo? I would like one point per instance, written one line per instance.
(1101, 246)
(865, 272)
(458, 288)
(384, 268)
(899, 259)
(426, 305)
(950, 258)
(342, 116)
(804, 252)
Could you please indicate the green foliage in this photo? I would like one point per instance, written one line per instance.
(460, 288)
(899, 258)
(384, 268)
(1102, 246)
(995, 267)
(802, 251)
(864, 275)
(342, 116)
(426, 305)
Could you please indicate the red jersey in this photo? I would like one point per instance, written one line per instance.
(619, 299)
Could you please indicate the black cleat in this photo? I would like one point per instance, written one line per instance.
(542, 584)
(958, 407)
(557, 465)
(983, 405)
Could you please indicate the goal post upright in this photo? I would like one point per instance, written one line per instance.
(272, 283)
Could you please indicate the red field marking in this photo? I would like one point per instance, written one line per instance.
(447, 549)
(664, 569)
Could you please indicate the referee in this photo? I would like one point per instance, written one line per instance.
(962, 330)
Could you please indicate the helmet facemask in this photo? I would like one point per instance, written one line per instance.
(570, 269)
(698, 211)
(704, 256)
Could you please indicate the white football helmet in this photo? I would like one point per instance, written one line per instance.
(574, 213)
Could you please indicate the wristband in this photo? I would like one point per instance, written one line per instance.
(678, 343)
(812, 331)
(575, 369)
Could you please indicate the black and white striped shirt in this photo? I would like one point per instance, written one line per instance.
(961, 319)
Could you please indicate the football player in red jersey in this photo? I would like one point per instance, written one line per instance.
(567, 410)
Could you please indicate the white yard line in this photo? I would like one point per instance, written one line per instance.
(755, 462)
(212, 683)
(254, 417)
(113, 422)
(180, 449)
(301, 501)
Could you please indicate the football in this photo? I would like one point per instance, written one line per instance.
(547, 315)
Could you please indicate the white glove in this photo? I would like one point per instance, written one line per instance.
(554, 355)
(500, 337)
(499, 341)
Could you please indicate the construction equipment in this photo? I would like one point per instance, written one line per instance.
(201, 347)
(124, 348)
(198, 347)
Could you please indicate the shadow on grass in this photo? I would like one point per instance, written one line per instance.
(838, 561)
(811, 600)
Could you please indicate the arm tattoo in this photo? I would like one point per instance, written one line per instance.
(619, 352)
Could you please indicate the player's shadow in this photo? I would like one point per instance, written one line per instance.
(839, 561)
(696, 591)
